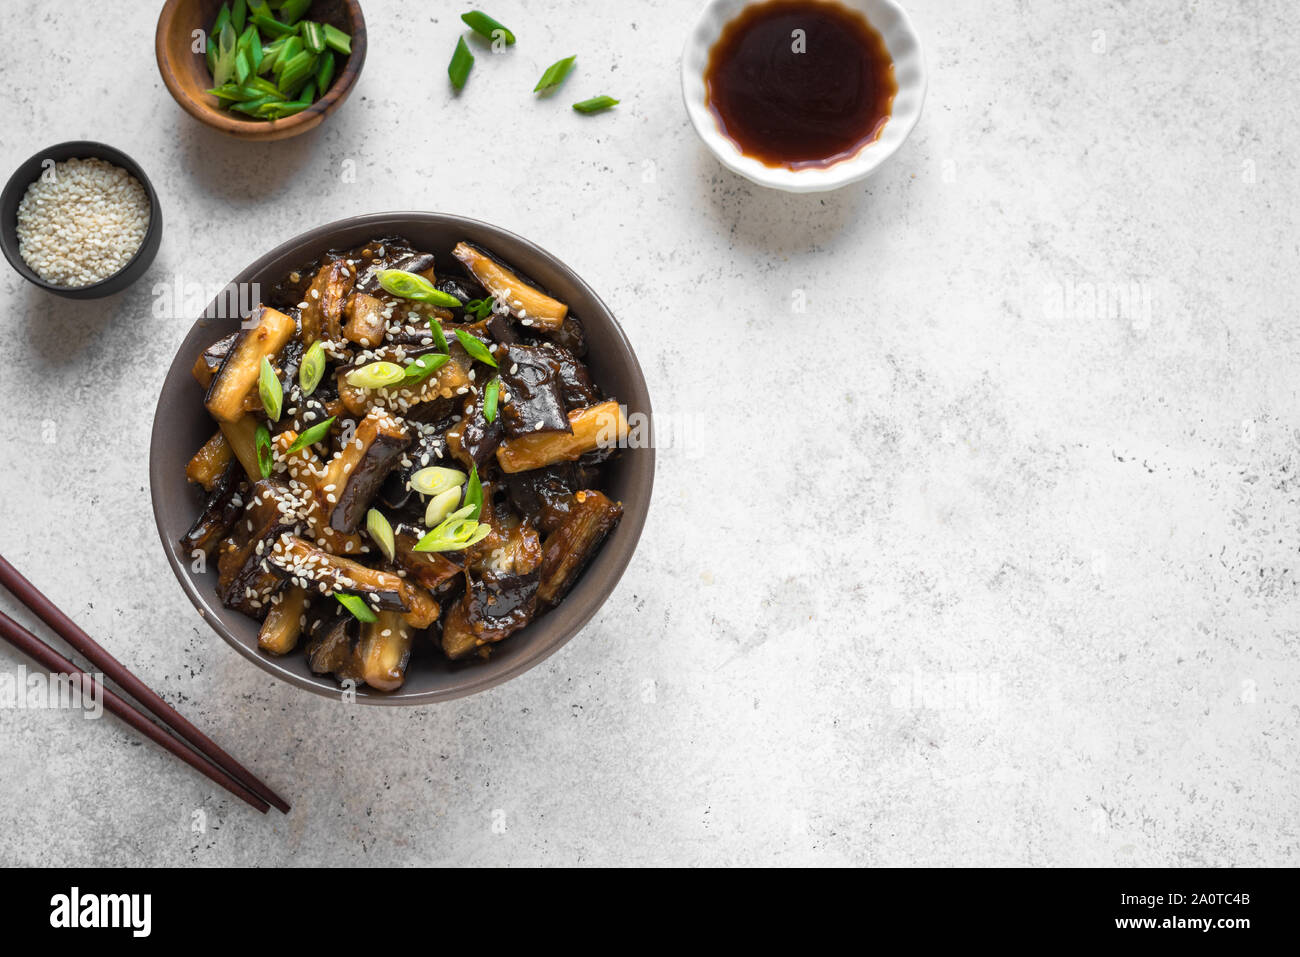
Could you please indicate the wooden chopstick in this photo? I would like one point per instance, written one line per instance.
(47, 657)
(28, 594)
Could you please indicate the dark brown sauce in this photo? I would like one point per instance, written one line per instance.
(800, 109)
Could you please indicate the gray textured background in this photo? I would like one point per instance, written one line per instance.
(984, 576)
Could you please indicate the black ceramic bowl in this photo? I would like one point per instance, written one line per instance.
(181, 425)
(28, 172)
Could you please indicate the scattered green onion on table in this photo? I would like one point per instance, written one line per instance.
(271, 65)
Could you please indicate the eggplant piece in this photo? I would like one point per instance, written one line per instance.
(500, 330)
(366, 325)
(570, 336)
(332, 647)
(526, 302)
(545, 496)
(536, 402)
(305, 475)
(428, 569)
(575, 381)
(220, 512)
(245, 581)
(428, 448)
(284, 622)
(595, 427)
(209, 462)
(241, 435)
(384, 651)
(210, 359)
(310, 567)
(237, 376)
(449, 381)
(322, 315)
(353, 476)
(473, 439)
(569, 548)
(493, 607)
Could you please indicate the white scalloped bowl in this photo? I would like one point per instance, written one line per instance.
(904, 47)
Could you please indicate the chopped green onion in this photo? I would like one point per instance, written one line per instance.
(337, 40)
(226, 50)
(243, 69)
(441, 505)
(409, 285)
(382, 532)
(268, 387)
(252, 106)
(435, 479)
(230, 93)
(462, 61)
(454, 534)
(360, 610)
(296, 72)
(325, 72)
(376, 375)
(311, 436)
(475, 348)
(555, 74)
(291, 11)
(312, 35)
(490, 396)
(265, 460)
(474, 494)
(292, 47)
(486, 27)
(439, 337)
(423, 367)
(238, 13)
(596, 104)
(271, 25)
(219, 24)
(481, 308)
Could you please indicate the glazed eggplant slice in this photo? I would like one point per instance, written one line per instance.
(245, 582)
(316, 569)
(569, 548)
(353, 476)
(384, 650)
(237, 376)
(322, 313)
(210, 359)
(536, 403)
(575, 381)
(366, 323)
(449, 381)
(528, 304)
(493, 607)
(595, 427)
(241, 435)
(305, 476)
(209, 462)
(429, 569)
(332, 647)
(473, 439)
(284, 622)
(220, 512)
(545, 496)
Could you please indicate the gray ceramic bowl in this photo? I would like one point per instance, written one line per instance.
(181, 425)
(27, 173)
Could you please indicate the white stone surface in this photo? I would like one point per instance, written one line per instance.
(940, 571)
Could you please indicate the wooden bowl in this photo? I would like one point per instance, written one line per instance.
(187, 78)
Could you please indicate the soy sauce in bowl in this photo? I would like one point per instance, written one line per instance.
(800, 83)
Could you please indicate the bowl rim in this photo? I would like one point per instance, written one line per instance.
(78, 149)
(905, 48)
(633, 521)
(262, 129)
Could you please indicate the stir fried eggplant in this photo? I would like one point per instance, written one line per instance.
(427, 474)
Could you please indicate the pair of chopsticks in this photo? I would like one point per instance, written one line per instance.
(203, 755)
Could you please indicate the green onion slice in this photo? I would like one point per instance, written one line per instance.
(376, 375)
(409, 285)
(475, 348)
(312, 436)
(481, 308)
(312, 369)
(462, 61)
(360, 610)
(486, 27)
(423, 367)
(337, 40)
(268, 387)
(265, 460)
(436, 479)
(382, 533)
(441, 505)
(474, 494)
(490, 396)
(439, 337)
(455, 533)
(596, 104)
(555, 74)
